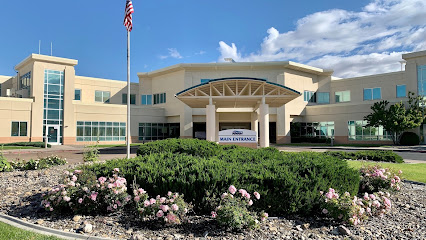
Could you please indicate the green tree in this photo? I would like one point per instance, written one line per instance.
(398, 117)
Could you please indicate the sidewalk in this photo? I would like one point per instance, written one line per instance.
(417, 148)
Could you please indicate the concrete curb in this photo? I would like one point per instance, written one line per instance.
(15, 222)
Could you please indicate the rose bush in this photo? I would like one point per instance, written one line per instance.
(233, 210)
(376, 178)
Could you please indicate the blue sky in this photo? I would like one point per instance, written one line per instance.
(352, 37)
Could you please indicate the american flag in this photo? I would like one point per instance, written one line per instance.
(128, 15)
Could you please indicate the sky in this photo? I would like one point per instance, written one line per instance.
(354, 38)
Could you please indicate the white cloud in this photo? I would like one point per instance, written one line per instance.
(201, 52)
(173, 52)
(346, 41)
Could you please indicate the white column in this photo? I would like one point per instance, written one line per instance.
(254, 122)
(264, 123)
(211, 122)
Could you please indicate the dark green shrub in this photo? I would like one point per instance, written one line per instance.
(28, 144)
(368, 155)
(287, 182)
(409, 139)
(193, 147)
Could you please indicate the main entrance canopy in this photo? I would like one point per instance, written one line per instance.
(250, 93)
(237, 93)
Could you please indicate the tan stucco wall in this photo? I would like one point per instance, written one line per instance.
(14, 110)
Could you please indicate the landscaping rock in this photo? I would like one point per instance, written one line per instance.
(343, 230)
(88, 228)
(76, 218)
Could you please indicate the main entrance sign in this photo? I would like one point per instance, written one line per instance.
(241, 137)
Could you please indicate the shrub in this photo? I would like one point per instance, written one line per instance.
(28, 144)
(91, 153)
(193, 147)
(4, 164)
(40, 163)
(409, 139)
(376, 178)
(289, 182)
(368, 155)
(81, 192)
(353, 210)
(232, 210)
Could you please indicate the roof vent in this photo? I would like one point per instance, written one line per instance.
(229, 60)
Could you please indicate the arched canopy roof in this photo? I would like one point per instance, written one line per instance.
(239, 92)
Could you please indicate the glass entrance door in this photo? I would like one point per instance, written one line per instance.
(53, 135)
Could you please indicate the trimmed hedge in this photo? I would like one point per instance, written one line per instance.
(27, 144)
(409, 139)
(370, 155)
(288, 182)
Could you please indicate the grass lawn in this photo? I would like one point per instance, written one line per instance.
(329, 145)
(414, 172)
(17, 147)
(8, 232)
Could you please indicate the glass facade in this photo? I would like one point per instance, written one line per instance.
(25, 82)
(372, 93)
(401, 91)
(157, 131)
(312, 129)
(102, 131)
(421, 80)
(132, 98)
(146, 99)
(159, 98)
(19, 129)
(77, 94)
(357, 130)
(309, 96)
(53, 100)
(343, 96)
(323, 97)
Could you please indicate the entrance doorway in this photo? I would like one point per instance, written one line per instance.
(53, 136)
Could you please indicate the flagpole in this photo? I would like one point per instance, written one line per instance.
(128, 95)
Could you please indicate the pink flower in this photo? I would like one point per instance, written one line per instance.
(224, 195)
(175, 207)
(257, 195)
(400, 171)
(93, 196)
(242, 192)
(250, 203)
(152, 201)
(171, 217)
(185, 210)
(162, 200)
(118, 203)
(247, 195)
(80, 200)
(325, 211)
(169, 193)
(232, 189)
(372, 196)
(78, 171)
(264, 217)
(146, 203)
(116, 170)
(74, 178)
(141, 191)
(387, 202)
(160, 213)
(214, 214)
(67, 199)
(115, 206)
(366, 198)
(137, 198)
(165, 208)
(102, 179)
(110, 185)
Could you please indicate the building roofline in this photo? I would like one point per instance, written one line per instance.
(368, 76)
(48, 59)
(104, 79)
(414, 54)
(236, 65)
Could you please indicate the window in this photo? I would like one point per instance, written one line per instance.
(156, 131)
(102, 131)
(312, 129)
(357, 130)
(132, 98)
(372, 93)
(77, 94)
(0, 89)
(323, 97)
(25, 81)
(309, 96)
(19, 129)
(205, 80)
(102, 96)
(401, 91)
(421, 80)
(159, 98)
(146, 99)
(343, 96)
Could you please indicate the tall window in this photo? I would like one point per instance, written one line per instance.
(343, 96)
(357, 130)
(159, 98)
(19, 129)
(25, 82)
(77, 94)
(146, 99)
(0, 89)
(421, 80)
(53, 113)
(309, 96)
(401, 91)
(372, 93)
(323, 97)
(132, 98)
(102, 96)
